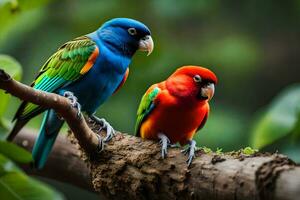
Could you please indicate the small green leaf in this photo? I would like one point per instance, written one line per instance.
(206, 149)
(296, 130)
(249, 151)
(18, 186)
(7, 166)
(219, 151)
(4, 124)
(280, 119)
(15, 185)
(15, 152)
(14, 69)
(11, 66)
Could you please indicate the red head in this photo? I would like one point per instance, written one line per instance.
(192, 82)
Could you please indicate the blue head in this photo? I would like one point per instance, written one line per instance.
(126, 36)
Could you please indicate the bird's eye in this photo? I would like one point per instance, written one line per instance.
(132, 31)
(197, 78)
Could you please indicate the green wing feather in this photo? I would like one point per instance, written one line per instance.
(62, 68)
(145, 107)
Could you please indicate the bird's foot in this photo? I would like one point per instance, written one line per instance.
(165, 143)
(190, 151)
(74, 102)
(100, 146)
(110, 132)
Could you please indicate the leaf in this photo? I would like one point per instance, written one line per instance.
(219, 151)
(206, 149)
(15, 152)
(4, 124)
(296, 130)
(14, 185)
(280, 120)
(292, 150)
(13, 68)
(18, 186)
(7, 166)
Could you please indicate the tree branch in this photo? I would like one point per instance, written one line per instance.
(133, 169)
(64, 163)
(86, 137)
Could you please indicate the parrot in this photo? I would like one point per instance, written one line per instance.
(173, 110)
(87, 70)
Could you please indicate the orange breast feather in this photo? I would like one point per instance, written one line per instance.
(178, 121)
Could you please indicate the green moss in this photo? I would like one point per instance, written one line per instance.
(206, 149)
(249, 151)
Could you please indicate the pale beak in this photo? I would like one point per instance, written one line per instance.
(208, 91)
(146, 44)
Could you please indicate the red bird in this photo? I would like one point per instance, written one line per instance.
(174, 110)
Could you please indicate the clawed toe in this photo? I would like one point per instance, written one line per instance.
(100, 146)
(74, 103)
(164, 142)
(190, 151)
(110, 132)
(185, 151)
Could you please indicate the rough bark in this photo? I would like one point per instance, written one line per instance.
(130, 168)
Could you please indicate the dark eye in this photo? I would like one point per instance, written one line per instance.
(197, 78)
(132, 31)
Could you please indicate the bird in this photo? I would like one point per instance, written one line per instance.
(173, 110)
(87, 70)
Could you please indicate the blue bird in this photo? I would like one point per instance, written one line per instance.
(87, 70)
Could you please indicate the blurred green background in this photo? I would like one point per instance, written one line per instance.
(252, 46)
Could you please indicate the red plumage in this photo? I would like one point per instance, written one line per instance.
(179, 109)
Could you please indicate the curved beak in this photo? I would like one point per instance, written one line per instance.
(208, 91)
(146, 44)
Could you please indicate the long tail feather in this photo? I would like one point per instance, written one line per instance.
(18, 126)
(47, 136)
(22, 119)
